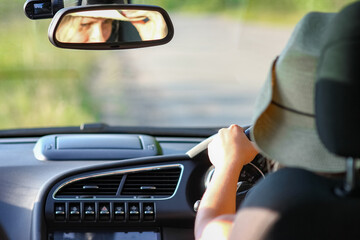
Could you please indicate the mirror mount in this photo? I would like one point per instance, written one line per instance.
(110, 27)
(41, 9)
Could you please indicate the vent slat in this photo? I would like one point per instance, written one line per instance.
(151, 182)
(149, 185)
(157, 190)
(164, 181)
(93, 189)
(88, 193)
(155, 179)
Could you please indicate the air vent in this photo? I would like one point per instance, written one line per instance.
(157, 183)
(90, 187)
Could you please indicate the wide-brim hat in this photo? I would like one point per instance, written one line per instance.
(284, 127)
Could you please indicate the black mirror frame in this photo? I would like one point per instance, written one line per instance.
(109, 46)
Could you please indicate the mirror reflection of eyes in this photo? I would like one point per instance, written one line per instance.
(111, 26)
(89, 22)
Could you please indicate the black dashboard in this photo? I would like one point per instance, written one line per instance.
(93, 189)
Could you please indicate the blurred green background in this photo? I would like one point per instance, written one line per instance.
(41, 85)
(280, 12)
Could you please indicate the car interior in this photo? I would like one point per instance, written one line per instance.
(98, 181)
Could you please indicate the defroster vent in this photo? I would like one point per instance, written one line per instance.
(155, 183)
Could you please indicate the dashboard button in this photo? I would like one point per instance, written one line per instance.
(89, 211)
(104, 211)
(74, 211)
(134, 212)
(119, 211)
(59, 211)
(149, 211)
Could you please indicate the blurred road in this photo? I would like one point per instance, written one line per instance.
(208, 75)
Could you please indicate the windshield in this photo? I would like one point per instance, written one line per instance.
(209, 75)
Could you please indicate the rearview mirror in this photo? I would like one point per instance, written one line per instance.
(110, 27)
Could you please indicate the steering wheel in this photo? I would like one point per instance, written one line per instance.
(249, 175)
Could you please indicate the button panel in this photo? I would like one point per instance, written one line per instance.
(104, 212)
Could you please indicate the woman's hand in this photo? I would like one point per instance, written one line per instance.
(231, 149)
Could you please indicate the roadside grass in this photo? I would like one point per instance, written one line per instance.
(41, 85)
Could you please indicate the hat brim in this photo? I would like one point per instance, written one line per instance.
(290, 137)
(106, 14)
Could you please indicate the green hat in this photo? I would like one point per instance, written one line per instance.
(284, 127)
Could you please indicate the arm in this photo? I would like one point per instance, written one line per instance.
(253, 223)
(229, 152)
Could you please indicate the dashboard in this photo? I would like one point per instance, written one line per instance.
(104, 186)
